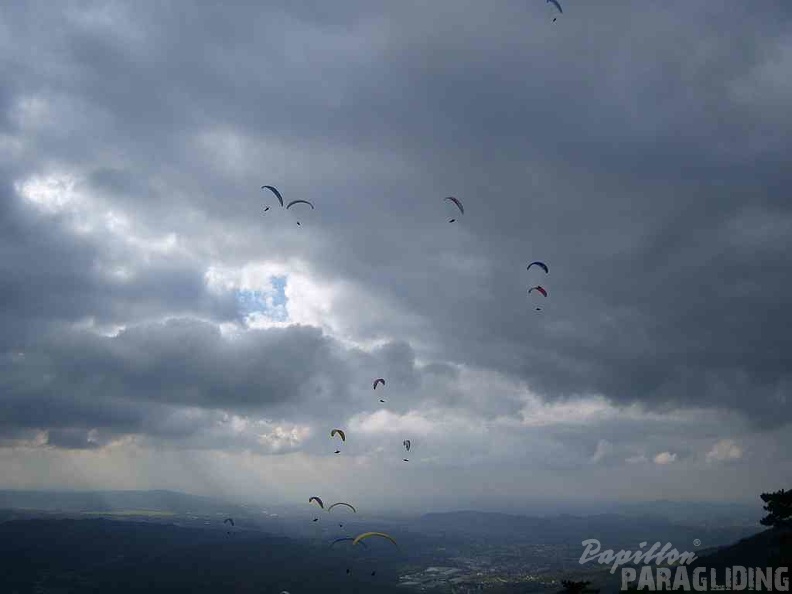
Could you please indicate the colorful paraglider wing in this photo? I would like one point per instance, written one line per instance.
(293, 202)
(360, 537)
(274, 190)
(342, 503)
(338, 432)
(557, 5)
(541, 265)
(318, 500)
(538, 288)
(346, 538)
(378, 381)
(457, 202)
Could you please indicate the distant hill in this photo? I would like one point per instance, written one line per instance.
(110, 501)
(694, 513)
(100, 556)
(771, 548)
(612, 530)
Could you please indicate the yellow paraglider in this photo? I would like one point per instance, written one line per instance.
(360, 537)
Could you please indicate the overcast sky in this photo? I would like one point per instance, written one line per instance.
(159, 329)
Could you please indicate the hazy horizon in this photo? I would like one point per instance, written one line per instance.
(160, 329)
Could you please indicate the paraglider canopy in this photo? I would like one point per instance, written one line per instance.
(406, 443)
(557, 5)
(338, 432)
(230, 521)
(350, 506)
(318, 501)
(458, 205)
(274, 190)
(378, 381)
(360, 537)
(293, 202)
(541, 265)
(345, 539)
(538, 288)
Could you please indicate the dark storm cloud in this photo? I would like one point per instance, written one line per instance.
(621, 145)
(71, 439)
(664, 286)
(178, 362)
(49, 276)
(35, 285)
(152, 379)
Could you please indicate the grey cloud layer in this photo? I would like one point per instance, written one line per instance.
(636, 150)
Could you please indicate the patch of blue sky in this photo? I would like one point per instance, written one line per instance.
(278, 284)
(269, 302)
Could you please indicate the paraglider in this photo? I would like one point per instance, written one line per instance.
(541, 290)
(341, 434)
(318, 500)
(377, 382)
(293, 202)
(350, 506)
(360, 537)
(344, 539)
(229, 521)
(274, 190)
(458, 205)
(541, 265)
(406, 443)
